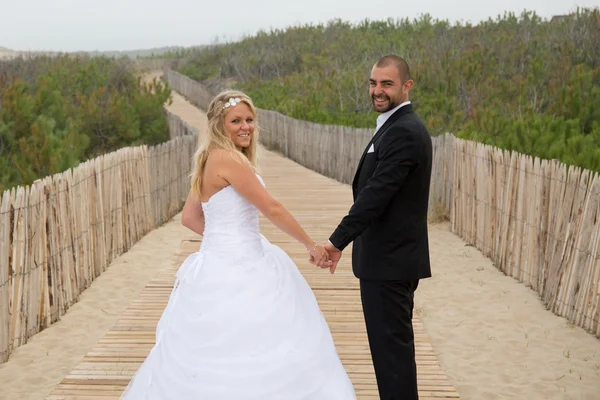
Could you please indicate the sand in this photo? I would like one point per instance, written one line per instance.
(493, 337)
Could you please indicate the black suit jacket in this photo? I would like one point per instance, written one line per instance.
(388, 221)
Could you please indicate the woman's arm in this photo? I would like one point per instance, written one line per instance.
(192, 216)
(243, 179)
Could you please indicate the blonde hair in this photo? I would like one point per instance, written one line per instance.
(219, 138)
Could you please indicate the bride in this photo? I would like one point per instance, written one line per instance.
(241, 322)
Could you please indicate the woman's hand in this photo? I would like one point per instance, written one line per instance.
(319, 256)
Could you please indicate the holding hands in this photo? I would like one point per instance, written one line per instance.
(325, 256)
(318, 255)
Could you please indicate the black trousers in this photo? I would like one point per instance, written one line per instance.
(388, 309)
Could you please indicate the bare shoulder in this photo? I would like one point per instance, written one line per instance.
(222, 157)
(225, 163)
(233, 168)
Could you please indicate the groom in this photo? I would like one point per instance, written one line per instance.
(388, 224)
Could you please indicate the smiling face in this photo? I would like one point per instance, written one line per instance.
(239, 124)
(387, 90)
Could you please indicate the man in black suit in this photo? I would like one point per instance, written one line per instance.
(388, 225)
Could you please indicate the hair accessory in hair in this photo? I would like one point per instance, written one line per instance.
(232, 102)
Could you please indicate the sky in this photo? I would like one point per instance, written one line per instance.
(104, 25)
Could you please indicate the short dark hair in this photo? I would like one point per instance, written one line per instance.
(400, 64)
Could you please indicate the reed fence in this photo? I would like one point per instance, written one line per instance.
(58, 234)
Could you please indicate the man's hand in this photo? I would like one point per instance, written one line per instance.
(334, 256)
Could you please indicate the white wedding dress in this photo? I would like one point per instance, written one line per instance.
(241, 322)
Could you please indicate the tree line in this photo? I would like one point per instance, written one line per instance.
(56, 112)
(518, 82)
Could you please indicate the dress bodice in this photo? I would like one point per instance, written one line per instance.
(230, 223)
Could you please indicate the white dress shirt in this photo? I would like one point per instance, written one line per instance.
(384, 116)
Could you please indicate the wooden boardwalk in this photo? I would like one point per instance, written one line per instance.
(318, 203)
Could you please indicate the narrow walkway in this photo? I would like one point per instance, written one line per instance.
(318, 203)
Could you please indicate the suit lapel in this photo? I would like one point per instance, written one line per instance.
(401, 111)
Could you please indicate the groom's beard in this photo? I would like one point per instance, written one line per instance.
(385, 107)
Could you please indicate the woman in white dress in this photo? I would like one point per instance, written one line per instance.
(241, 322)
